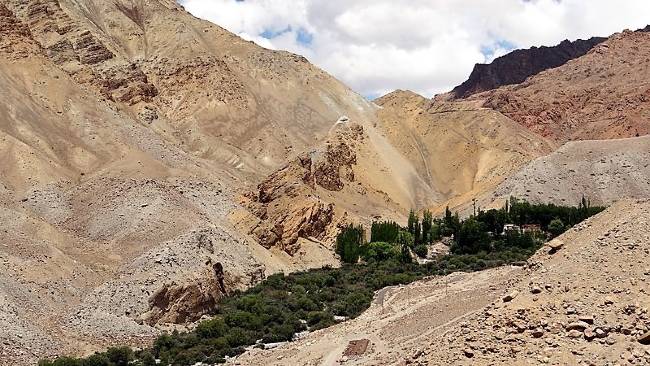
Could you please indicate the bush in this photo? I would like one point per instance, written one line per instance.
(380, 252)
(556, 227)
(421, 251)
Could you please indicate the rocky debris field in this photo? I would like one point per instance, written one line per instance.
(601, 171)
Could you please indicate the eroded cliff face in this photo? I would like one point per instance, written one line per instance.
(518, 65)
(288, 204)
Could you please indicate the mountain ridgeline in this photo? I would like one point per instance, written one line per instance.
(518, 65)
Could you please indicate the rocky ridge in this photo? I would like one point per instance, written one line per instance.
(516, 66)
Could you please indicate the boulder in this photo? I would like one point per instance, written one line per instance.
(509, 297)
(555, 245)
(645, 338)
(579, 325)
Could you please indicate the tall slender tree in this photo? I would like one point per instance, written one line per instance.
(427, 224)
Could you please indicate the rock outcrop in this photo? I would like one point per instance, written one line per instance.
(179, 303)
(288, 203)
(16, 39)
(518, 65)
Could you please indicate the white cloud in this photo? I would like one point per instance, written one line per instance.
(428, 46)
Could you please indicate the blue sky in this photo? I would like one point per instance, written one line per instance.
(428, 46)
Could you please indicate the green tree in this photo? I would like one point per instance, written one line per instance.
(427, 224)
(472, 238)
(414, 226)
(405, 255)
(385, 231)
(556, 227)
(349, 243)
(405, 238)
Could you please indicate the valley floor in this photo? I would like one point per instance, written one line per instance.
(400, 320)
(584, 304)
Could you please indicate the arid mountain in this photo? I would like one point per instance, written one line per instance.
(458, 148)
(518, 65)
(600, 95)
(582, 303)
(127, 132)
(153, 162)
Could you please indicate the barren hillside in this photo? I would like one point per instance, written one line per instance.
(151, 163)
(602, 171)
(127, 133)
(458, 148)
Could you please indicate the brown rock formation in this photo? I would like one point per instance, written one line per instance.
(287, 203)
(15, 37)
(187, 302)
(601, 95)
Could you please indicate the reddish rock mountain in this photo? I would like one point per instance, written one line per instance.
(601, 95)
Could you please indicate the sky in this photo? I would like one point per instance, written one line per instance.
(428, 46)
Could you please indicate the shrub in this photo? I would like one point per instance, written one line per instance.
(380, 251)
(213, 328)
(421, 250)
(556, 227)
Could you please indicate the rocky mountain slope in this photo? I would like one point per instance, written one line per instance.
(458, 148)
(516, 66)
(584, 302)
(601, 95)
(153, 162)
(127, 132)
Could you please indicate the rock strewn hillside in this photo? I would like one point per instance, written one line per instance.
(516, 66)
(125, 137)
(585, 304)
